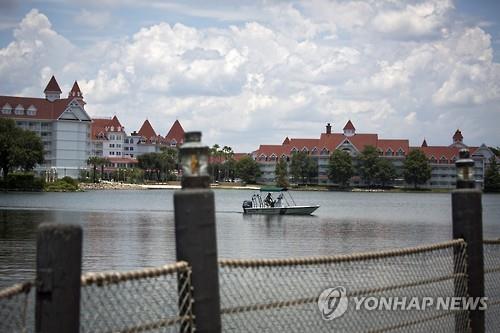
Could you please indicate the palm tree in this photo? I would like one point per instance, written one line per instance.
(96, 161)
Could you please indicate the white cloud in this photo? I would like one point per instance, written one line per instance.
(94, 20)
(404, 71)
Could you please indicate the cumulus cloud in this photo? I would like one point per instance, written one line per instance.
(402, 70)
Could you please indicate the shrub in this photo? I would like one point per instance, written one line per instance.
(22, 182)
(61, 186)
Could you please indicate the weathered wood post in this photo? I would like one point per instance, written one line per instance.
(468, 225)
(195, 232)
(58, 271)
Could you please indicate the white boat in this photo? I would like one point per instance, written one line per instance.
(279, 206)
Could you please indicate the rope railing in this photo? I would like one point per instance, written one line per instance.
(491, 248)
(339, 258)
(112, 277)
(263, 294)
(145, 300)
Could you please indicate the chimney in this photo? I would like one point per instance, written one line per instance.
(328, 129)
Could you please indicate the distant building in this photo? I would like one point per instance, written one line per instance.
(441, 159)
(110, 140)
(62, 123)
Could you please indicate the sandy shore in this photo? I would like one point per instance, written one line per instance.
(125, 186)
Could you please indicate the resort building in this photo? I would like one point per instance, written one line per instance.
(110, 140)
(441, 158)
(62, 123)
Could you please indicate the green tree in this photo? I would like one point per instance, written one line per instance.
(386, 171)
(492, 177)
(18, 148)
(303, 167)
(158, 166)
(96, 161)
(248, 169)
(416, 168)
(340, 169)
(281, 172)
(368, 164)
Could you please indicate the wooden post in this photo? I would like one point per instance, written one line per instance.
(196, 243)
(468, 225)
(58, 271)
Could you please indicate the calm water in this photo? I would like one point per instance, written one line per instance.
(133, 229)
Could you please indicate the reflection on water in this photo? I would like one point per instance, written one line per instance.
(126, 230)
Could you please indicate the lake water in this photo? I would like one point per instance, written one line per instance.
(126, 230)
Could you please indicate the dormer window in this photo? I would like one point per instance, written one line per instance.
(7, 109)
(31, 111)
(443, 160)
(401, 152)
(304, 150)
(314, 151)
(324, 151)
(389, 152)
(19, 110)
(294, 150)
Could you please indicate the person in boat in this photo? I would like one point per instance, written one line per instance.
(269, 200)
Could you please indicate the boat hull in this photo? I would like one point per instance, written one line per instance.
(293, 210)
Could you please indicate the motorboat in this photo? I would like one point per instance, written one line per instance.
(281, 205)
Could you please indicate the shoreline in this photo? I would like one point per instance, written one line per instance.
(176, 186)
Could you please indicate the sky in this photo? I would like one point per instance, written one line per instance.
(253, 72)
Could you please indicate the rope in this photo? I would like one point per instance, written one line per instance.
(117, 277)
(16, 289)
(492, 270)
(301, 301)
(338, 258)
(491, 241)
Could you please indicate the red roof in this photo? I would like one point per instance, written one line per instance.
(100, 125)
(176, 133)
(44, 108)
(286, 141)
(394, 145)
(349, 126)
(437, 152)
(147, 130)
(129, 160)
(75, 91)
(52, 86)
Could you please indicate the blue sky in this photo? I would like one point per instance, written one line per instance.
(251, 72)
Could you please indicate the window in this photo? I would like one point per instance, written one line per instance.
(6, 111)
(19, 110)
(131, 148)
(111, 145)
(389, 152)
(31, 111)
(118, 153)
(118, 145)
(111, 153)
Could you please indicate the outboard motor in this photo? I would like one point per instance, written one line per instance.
(247, 204)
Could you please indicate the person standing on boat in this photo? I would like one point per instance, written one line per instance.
(269, 200)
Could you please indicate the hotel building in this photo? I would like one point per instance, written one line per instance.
(441, 158)
(62, 123)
